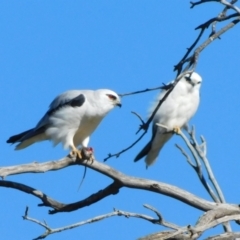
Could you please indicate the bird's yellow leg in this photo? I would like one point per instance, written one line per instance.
(76, 152)
(177, 129)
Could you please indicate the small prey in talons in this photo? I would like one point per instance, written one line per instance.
(87, 153)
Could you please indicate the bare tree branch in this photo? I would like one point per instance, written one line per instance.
(225, 236)
(224, 2)
(199, 151)
(219, 18)
(161, 219)
(120, 180)
(210, 219)
(47, 201)
(197, 167)
(214, 35)
(116, 212)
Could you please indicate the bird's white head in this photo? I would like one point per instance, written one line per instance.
(109, 98)
(193, 79)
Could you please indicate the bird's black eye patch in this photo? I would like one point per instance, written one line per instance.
(188, 79)
(112, 97)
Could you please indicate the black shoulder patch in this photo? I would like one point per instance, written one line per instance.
(166, 86)
(75, 102)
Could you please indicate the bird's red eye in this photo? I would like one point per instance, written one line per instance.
(112, 97)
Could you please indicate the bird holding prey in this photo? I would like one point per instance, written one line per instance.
(70, 120)
(174, 113)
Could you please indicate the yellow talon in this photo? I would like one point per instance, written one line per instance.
(177, 130)
(84, 153)
(76, 153)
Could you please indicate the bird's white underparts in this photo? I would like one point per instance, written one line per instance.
(174, 114)
(71, 119)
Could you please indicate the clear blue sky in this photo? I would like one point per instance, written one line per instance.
(48, 47)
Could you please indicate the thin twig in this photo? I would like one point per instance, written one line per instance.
(224, 2)
(178, 67)
(195, 148)
(210, 172)
(192, 60)
(139, 91)
(116, 212)
(139, 117)
(186, 156)
(198, 166)
(161, 219)
(125, 149)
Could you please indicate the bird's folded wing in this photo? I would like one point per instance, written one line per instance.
(72, 98)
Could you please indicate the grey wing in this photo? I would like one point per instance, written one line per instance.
(73, 98)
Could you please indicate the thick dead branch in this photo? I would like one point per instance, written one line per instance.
(47, 201)
(209, 220)
(198, 230)
(112, 189)
(187, 236)
(225, 236)
(217, 213)
(224, 2)
(120, 180)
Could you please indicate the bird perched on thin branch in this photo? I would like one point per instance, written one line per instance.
(71, 118)
(174, 113)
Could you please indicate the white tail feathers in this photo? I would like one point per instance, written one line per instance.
(30, 141)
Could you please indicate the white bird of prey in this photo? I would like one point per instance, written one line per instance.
(174, 113)
(71, 118)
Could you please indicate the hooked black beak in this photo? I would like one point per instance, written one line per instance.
(119, 105)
